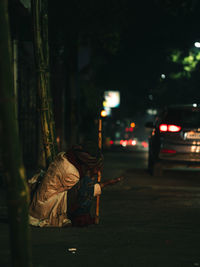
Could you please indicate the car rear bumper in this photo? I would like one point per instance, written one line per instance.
(186, 157)
(182, 153)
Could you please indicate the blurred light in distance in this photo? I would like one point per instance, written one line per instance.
(108, 111)
(123, 142)
(132, 124)
(134, 142)
(168, 151)
(112, 99)
(151, 97)
(194, 105)
(111, 142)
(197, 44)
(163, 76)
(144, 144)
(152, 111)
(130, 142)
(103, 113)
(129, 129)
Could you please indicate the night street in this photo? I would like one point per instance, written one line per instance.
(144, 221)
(98, 99)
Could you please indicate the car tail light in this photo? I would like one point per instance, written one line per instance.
(168, 151)
(163, 127)
(130, 142)
(123, 142)
(144, 144)
(169, 128)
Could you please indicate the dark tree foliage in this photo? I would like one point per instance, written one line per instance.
(185, 18)
(131, 42)
(96, 25)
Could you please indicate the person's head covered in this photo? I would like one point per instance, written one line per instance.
(88, 153)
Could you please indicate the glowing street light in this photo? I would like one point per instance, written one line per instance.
(197, 44)
(103, 113)
(132, 124)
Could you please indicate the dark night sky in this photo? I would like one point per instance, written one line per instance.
(150, 28)
(145, 45)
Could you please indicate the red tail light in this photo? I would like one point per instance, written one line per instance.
(169, 128)
(163, 127)
(168, 151)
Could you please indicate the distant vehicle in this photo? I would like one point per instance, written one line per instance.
(131, 139)
(175, 138)
(130, 144)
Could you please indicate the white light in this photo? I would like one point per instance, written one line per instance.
(124, 144)
(197, 44)
(152, 111)
(163, 76)
(134, 142)
(108, 111)
(195, 105)
(112, 99)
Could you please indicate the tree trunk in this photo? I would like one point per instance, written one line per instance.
(41, 48)
(17, 190)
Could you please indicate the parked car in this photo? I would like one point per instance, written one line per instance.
(175, 138)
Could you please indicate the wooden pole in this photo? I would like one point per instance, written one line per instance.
(99, 172)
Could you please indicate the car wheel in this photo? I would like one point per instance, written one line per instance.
(157, 169)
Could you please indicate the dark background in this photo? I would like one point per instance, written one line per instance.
(105, 45)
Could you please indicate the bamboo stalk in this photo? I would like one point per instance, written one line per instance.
(17, 189)
(99, 172)
(41, 48)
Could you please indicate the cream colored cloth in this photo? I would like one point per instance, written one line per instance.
(49, 204)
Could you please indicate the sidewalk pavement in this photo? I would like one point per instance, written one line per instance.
(138, 228)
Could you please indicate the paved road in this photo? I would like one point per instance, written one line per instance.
(145, 221)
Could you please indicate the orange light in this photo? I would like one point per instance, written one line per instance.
(132, 124)
(103, 113)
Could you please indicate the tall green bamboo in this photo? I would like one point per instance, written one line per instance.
(17, 190)
(41, 48)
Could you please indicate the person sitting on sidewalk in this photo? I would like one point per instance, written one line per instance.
(78, 166)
